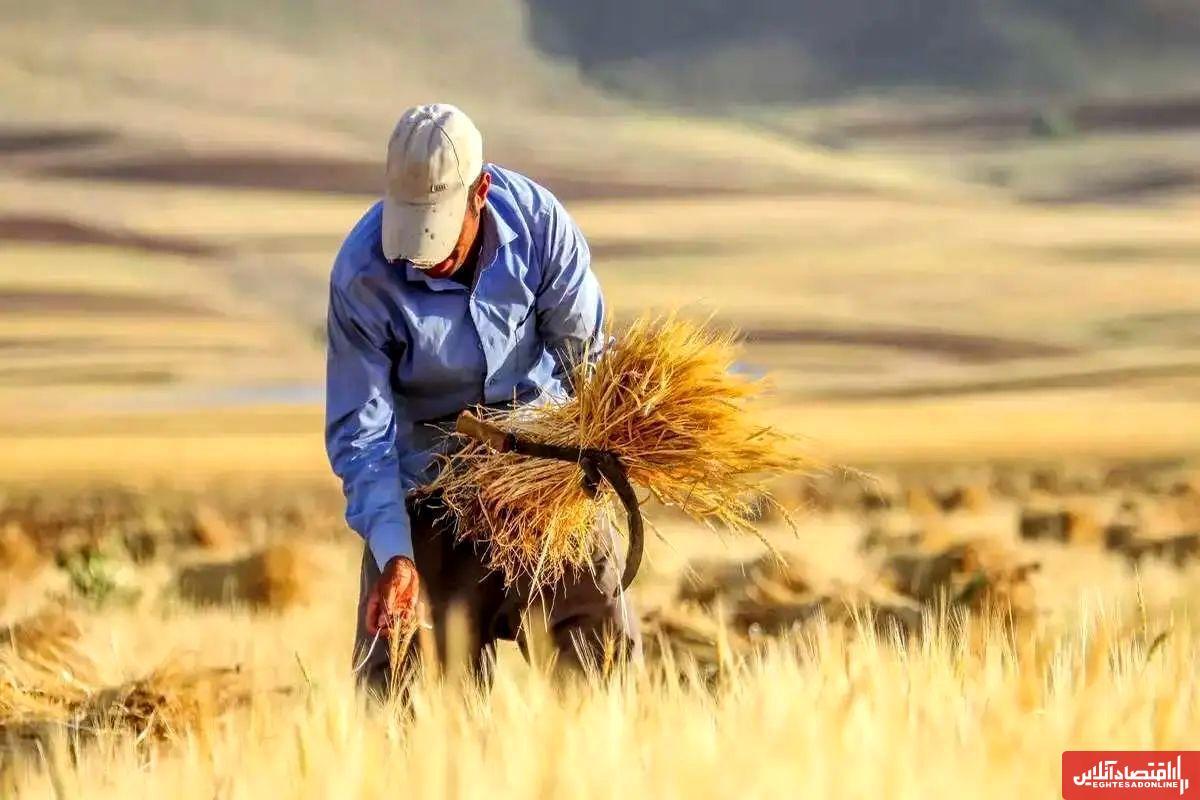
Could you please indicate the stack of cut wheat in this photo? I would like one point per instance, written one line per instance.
(47, 681)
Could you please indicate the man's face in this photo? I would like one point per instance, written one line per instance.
(466, 236)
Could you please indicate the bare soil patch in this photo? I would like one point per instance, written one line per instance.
(967, 347)
(1083, 379)
(249, 170)
(1130, 253)
(359, 176)
(659, 248)
(1003, 121)
(35, 140)
(86, 376)
(61, 230)
(1134, 184)
(85, 302)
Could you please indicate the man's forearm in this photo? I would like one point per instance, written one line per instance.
(389, 541)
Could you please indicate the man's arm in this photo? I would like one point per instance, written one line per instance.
(360, 429)
(570, 305)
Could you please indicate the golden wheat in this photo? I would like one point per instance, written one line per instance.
(665, 397)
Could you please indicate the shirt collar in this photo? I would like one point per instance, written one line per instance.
(496, 234)
(504, 231)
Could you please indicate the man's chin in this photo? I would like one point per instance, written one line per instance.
(443, 269)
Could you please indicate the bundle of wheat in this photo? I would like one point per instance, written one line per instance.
(47, 683)
(43, 670)
(277, 577)
(665, 398)
(49, 640)
(166, 704)
(979, 575)
(169, 702)
(773, 577)
(688, 638)
(777, 593)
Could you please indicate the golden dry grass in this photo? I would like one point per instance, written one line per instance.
(186, 700)
(827, 714)
(167, 704)
(662, 397)
(50, 685)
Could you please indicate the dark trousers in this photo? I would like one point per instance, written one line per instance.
(584, 620)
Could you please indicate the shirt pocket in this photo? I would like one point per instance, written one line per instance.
(442, 359)
(513, 304)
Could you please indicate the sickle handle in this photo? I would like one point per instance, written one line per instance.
(472, 426)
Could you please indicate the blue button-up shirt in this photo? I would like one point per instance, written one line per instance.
(406, 349)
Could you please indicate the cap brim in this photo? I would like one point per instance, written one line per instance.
(424, 234)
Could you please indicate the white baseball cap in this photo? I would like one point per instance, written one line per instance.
(433, 157)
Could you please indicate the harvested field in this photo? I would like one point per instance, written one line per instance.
(965, 347)
(43, 345)
(240, 170)
(818, 635)
(1010, 121)
(315, 173)
(113, 375)
(1107, 376)
(82, 302)
(603, 250)
(1129, 253)
(58, 230)
(100, 345)
(32, 140)
(1127, 186)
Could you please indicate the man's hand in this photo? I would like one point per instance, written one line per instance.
(392, 604)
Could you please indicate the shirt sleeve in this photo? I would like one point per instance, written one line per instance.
(360, 430)
(570, 305)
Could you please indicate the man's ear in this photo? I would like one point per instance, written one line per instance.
(481, 190)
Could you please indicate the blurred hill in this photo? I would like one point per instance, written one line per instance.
(723, 52)
(317, 74)
(138, 87)
(1001, 265)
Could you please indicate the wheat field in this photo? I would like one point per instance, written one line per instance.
(830, 714)
(971, 699)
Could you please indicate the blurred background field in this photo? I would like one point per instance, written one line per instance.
(1009, 261)
(963, 240)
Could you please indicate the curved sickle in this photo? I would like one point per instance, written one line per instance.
(607, 464)
(614, 472)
